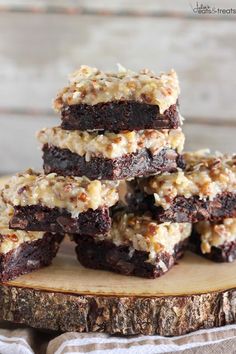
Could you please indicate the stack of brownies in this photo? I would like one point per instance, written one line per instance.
(119, 126)
(119, 129)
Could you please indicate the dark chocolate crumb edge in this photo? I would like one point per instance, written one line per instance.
(41, 218)
(29, 256)
(185, 209)
(142, 163)
(119, 115)
(105, 255)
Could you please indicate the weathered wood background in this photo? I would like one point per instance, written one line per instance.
(42, 41)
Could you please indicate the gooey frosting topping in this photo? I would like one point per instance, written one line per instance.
(90, 86)
(75, 194)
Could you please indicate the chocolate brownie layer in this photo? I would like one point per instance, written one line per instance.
(222, 253)
(186, 209)
(66, 163)
(29, 256)
(119, 115)
(106, 255)
(41, 218)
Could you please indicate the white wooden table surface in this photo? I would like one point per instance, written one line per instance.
(41, 42)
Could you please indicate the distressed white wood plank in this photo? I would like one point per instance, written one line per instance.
(182, 6)
(20, 150)
(215, 138)
(37, 52)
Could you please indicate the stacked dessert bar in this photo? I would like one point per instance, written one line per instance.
(215, 236)
(119, 126)
(203, 194)
(23, 251)
(60, 204)
(37, 210)
(135, 245)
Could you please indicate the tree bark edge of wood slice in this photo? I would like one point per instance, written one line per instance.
(166, 316)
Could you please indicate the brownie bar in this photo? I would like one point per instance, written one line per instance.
(222, 253)
(186, 209)
(92, 86)
(29, 256)
(106, 255)
(118, 115)
(66, 163)
(205, 190)
(41, 218)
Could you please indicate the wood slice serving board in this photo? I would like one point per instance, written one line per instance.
(195, 294)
